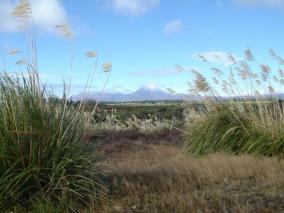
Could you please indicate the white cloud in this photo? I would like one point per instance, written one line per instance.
(7, 23)
(132, 7)
(46, 14)
(217, 57)
(172, 27)
(261, 3)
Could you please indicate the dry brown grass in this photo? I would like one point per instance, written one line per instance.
(161, 179)
(122, 143)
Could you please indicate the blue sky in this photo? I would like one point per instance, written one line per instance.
(143, 39)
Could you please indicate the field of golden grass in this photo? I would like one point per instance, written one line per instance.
(149, 174)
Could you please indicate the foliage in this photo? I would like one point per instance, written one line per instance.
(249, 119)
(141, 118)
(41, 148)
(140, 111)
(43, 155)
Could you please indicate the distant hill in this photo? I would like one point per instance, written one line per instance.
(146, 93)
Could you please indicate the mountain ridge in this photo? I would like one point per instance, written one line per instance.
(145, 93)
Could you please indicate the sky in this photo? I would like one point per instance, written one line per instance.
(143, 39)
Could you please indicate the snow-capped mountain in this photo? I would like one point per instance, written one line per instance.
(146, 93)
(151, 92)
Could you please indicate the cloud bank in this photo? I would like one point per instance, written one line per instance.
(46, 14)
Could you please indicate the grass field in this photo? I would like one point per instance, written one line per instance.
(149, 173)
(123, 111)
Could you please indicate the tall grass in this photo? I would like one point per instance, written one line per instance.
(43, 156)
(240, 111)
(163, 180)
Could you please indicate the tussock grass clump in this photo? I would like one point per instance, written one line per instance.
(42, 154)
(44, 161)
(240, 111)
(217, 131)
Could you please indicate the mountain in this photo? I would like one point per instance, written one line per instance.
(153, 93)
(146, 93)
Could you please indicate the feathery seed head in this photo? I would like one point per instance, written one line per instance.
(248, 54)
(14, 51)
(232, 59)
(202, 58)
(272, 53)
(21, 62)
(217, 71)
(231, 77)
(91, 54)
(22, 10)
(107, 67)
(179, 68)
(265, 68)
(243, 74)
(245, 66)
(64, 30)
(201, 83)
